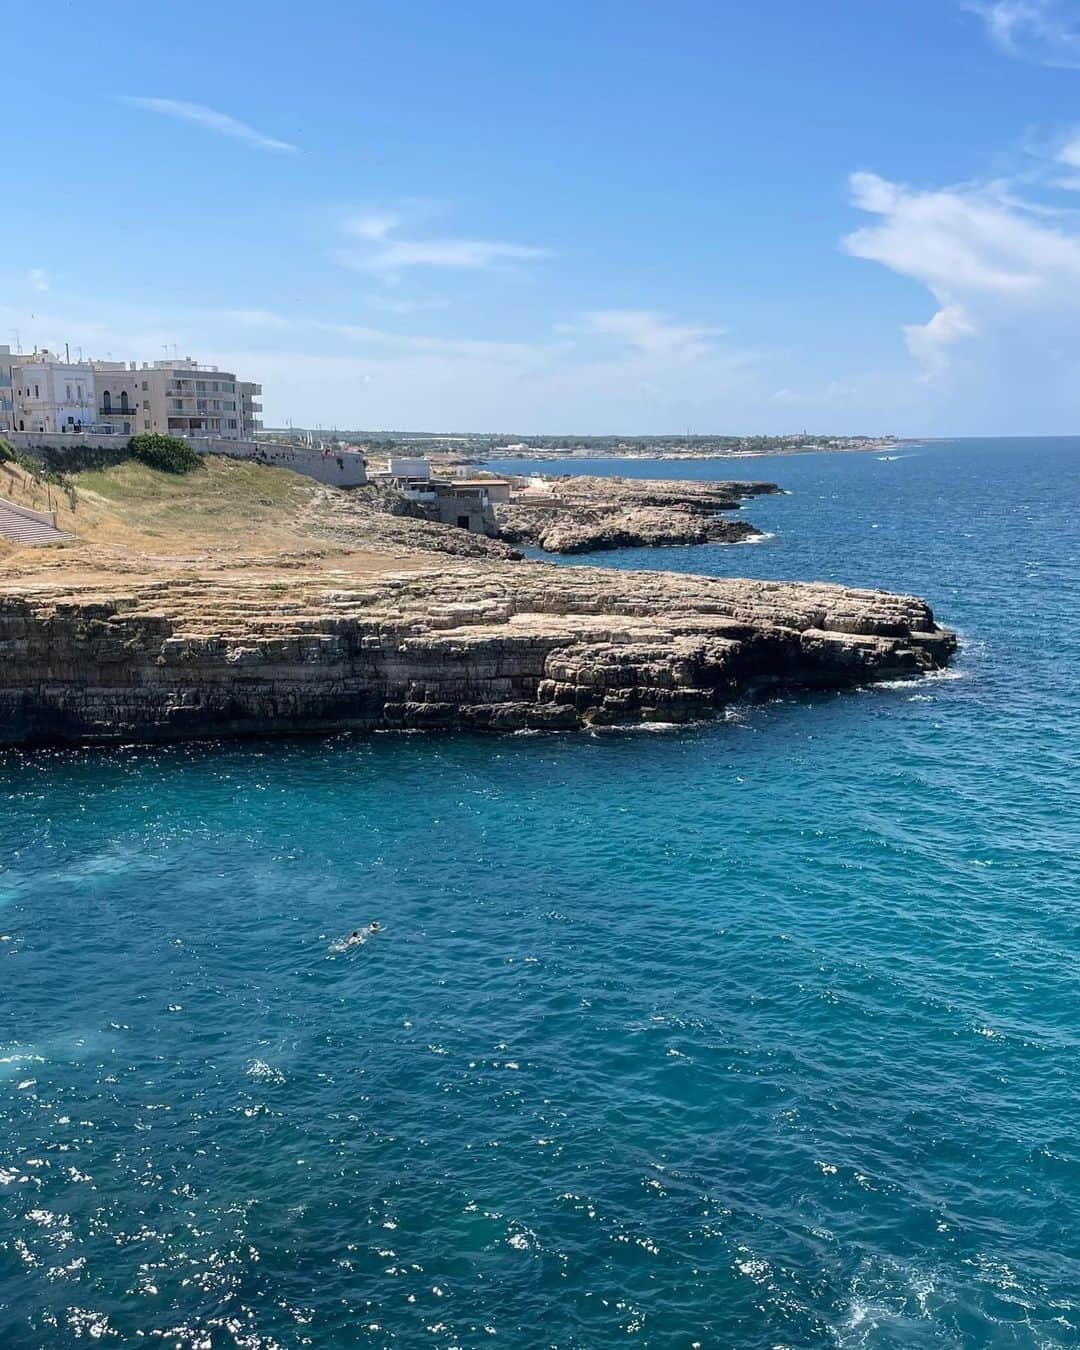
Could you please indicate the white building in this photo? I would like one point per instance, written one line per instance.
(51, 395)
(408, 466)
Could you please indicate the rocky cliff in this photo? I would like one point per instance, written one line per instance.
(488, 645)
(583, 514)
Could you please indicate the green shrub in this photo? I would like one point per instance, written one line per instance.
(75, 456)
(7, 451)
(168, 453)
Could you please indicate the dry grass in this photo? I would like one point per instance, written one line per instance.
(228, 503)
(229, 517)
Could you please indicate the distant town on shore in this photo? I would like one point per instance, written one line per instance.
(477, 446)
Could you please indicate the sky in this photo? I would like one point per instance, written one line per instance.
(594, 216)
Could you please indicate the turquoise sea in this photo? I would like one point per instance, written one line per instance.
(764, 1033)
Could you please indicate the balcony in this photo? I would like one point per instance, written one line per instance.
(117, 412)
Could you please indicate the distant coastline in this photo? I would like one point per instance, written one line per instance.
(634, 453)
(480, 447)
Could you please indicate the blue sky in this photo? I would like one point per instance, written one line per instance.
(596, 217)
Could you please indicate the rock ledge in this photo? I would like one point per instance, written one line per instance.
(493, 646)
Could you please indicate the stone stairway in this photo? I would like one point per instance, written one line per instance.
(23, 526)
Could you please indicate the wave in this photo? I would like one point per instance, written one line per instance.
(263, 1072)
(639, 728)
(948, 673)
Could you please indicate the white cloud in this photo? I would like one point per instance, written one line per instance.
(211, 120)
(1046, 32)
(1004, 273)
(257, 318)
(960, 238)
(387, 254)
(395, 305)
(649, 331)
(928, 342)
(371, 225)
(1069, 152)
(38, 279)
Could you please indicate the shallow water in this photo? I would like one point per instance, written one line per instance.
(761, 1033)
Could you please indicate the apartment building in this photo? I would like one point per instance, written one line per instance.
(42, 393)
(188, 399)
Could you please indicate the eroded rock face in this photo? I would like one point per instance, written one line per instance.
(587, 531)
(584, 514)
(467, 645)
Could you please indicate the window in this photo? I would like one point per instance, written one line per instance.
(232, 423)
(106, 401)
(146, 402)
(146, 424)
(145, 386)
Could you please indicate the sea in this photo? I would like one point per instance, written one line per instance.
(763, 1032)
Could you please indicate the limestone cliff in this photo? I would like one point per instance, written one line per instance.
(584, 514)
(463, 644)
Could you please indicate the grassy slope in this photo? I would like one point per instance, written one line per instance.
(230, 516)
(228, 503)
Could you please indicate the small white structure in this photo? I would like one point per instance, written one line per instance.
(409, 466)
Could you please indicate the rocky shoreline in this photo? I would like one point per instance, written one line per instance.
(482, 645)
(584, 514)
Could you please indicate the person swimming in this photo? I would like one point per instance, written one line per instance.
(356, 938)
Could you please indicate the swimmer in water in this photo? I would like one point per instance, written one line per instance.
(359, 934)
